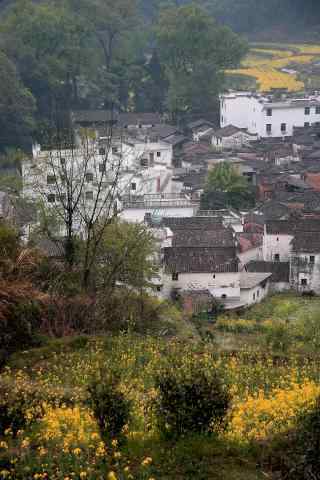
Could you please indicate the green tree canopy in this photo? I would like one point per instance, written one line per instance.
(195, 51)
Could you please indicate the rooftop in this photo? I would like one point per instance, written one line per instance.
(200, 260)
(250, 280)
(280, 270)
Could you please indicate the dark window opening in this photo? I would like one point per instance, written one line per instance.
(175, 277)
(269, 112)
(89, 177)
(158, 154)
(51, 179)
(318, 110)
(62, 161)
(223, 295)
(312, 258)
(51, 198)
(159, 288)
(306, 124)
(307, 111)
(102, 151)
(144, 162)
(102, 167)
(277, 257)
(89, 195)
(268, 128)
(133, 186)
(283, 127)
(304, 281)
(114, 149)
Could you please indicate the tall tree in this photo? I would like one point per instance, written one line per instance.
(195, 52)
(17, 106)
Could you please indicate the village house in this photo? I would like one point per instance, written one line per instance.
(267, 115)
(231, 137)
(305, 262)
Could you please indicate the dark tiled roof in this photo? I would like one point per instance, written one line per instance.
(93, 116)
(126, 119)
(188, 223)
(227, 131)
(280, 270)
(220, 237)
(175, 139)
(200, 260)
(199, 123)
(292, 226)
(308, 242)
(53, 249)
(162, 131)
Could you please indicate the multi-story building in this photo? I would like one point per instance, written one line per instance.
(267, 115)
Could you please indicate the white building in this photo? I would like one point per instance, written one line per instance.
(231, 137)
(266, 116)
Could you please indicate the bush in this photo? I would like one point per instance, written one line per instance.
(191, 398)
(109, 406)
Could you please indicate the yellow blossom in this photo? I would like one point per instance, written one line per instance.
(111, 476)
(147, 461)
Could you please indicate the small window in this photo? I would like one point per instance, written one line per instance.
(268, 128)
(63, 178)
(175, 277)
(51, 180)
(277, 257)
(62, 161)
(307, 111)
(277, 239)
(306, 124)
(51, 198)
(254, 296)
(283, 127)
(269, 112)
(258, 293)
(89, 177)
(158, 154)
(317, 124)
(89, 195)
(140, 125)
(304, 282)
(102, 167)
(114, 149)
(159, 288)
(318, 110)
(102, 151)
(223, 295)
(133, 186)
(312, 259)
(213, 276)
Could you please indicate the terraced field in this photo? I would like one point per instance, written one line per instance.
(277, 66)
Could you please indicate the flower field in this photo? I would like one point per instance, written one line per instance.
(266, 64)
(54, 435)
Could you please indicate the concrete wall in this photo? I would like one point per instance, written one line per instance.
(301, 268)
(276, 244)
(254, 295)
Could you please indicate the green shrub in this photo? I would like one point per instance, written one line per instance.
(191, 398)
(110, 407)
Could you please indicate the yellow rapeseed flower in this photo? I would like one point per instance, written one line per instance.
(111, 476)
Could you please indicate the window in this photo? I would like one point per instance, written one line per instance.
(158, 154)
(144, 162)
(175, 277)
(89, 177)
(62, 161)
(307, 111)
(258, 293)
(317, 124)
(304, 282)
(214, 276)
(133, 186)
(102, 167)
(312, 258)
(277, 239)
(254, 296)
(269, 112)
(114, 149)
(51, 198)
(268, 128)
(159, 288)
(283, 127)
(318, 110)
(277, 257)
(62, 197)
(223, 295)
(51, 180)
(306, 124)
(102, 151)
(63, 178)
(89, 195)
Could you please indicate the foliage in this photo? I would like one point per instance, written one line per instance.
(191, 398)
(109, 406)
(231, 188)
(194, 50)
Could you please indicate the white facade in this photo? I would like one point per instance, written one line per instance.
(305, 272)
(267, 117)
(277, 247)
(234, 141)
